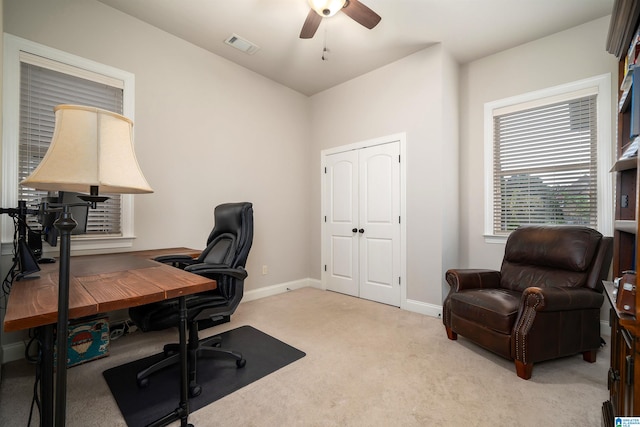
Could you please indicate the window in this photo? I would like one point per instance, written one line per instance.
(548, 158)
(41, 89)
(38, 78)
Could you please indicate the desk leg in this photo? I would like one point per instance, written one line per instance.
(182, 412)
(46, 375)
(64, 225)
(184, 368)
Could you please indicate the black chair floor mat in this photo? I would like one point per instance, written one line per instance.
(217, 376)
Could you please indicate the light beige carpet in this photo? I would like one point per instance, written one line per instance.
(367, 364)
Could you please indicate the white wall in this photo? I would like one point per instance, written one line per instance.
(450, 197)
(1, 68)
(206, 131)
(564, 57)
(416, 95)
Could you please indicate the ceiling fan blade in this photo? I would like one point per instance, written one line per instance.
(310, 25)
(361, 14)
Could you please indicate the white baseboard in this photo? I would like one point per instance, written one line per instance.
(280, 289)
(427, 309)
(605, 329)
(13, 351)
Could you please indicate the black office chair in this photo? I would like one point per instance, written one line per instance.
(224, 260)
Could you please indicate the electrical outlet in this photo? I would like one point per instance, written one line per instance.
(265, 269)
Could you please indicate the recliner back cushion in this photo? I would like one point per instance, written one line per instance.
(548, 256)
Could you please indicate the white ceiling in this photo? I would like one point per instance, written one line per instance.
(468, 29)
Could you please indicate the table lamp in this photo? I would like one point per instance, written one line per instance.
(91, 152)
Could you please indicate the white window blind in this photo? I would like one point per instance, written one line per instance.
(545, 165)
(43, 85)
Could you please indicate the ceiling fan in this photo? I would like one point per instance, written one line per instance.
(326, 8)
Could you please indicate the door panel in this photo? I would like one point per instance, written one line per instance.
(341, 259)
(362, 228)
(341, 200)
(380, 219)
(379, 252)
(376, 173)
(343, 187)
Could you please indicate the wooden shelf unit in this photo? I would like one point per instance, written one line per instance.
(623, 377)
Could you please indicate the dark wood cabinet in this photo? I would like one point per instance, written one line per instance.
(623, 377)
(622, 399)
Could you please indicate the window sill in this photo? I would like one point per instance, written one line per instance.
(79, 245)
(495, 239)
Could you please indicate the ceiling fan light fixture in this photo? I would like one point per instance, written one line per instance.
(327, 8)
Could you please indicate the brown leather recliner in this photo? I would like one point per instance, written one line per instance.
(545, 301)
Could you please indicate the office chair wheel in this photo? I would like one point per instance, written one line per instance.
(170, 349)
(195, 390)
(240, 363)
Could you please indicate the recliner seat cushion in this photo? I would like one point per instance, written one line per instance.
(496, 309)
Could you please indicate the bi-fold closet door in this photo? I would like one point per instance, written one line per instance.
(362, 222)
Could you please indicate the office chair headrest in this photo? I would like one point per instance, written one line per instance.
(233, 224)
(232, 217)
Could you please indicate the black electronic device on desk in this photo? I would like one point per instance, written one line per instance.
(79, 210)
(24, 260)
(27, 242)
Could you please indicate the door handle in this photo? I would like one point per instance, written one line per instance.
(355, 230)
(361, 231)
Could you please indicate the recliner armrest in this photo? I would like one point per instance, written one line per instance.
(561, 298)
(461, 279)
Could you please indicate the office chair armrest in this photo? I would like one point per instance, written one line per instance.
(209, 270)
(180, 261)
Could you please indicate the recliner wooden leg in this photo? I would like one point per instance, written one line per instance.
(589, 356)
(452, 335)
(524, 369)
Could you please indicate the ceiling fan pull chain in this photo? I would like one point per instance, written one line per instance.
(325, 51)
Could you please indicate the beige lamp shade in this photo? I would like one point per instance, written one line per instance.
(90, 147)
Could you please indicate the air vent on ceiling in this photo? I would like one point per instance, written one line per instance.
(242, 44)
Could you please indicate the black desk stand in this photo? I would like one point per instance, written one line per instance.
(182, 411)
(46, 378)
(65, 224)
(47, 383)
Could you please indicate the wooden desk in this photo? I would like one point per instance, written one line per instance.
(98, 284)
